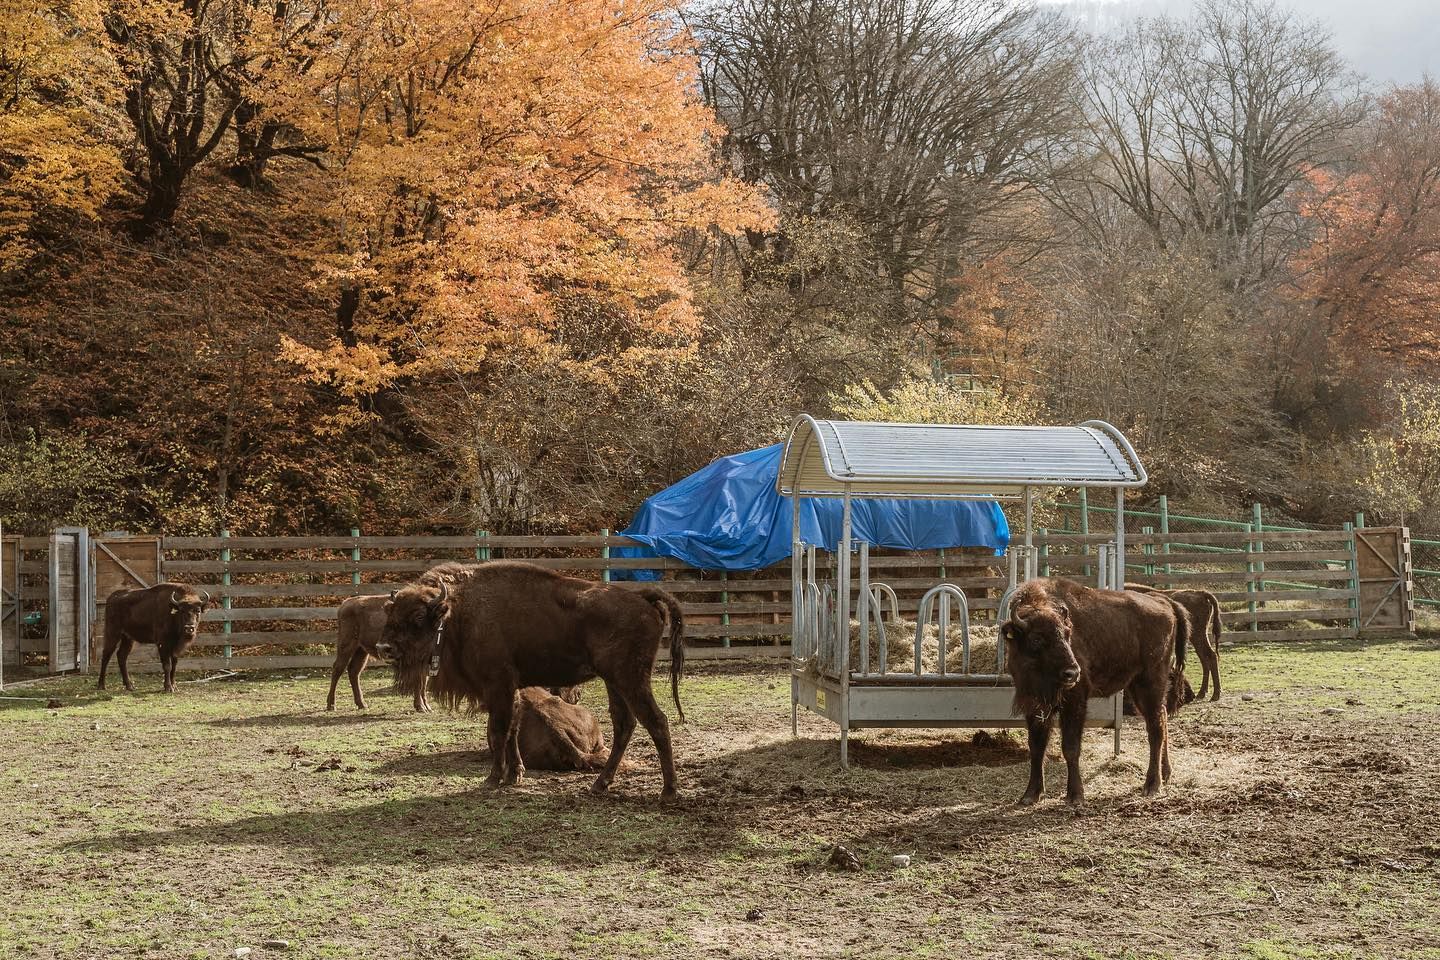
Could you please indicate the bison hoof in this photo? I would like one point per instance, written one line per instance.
(1028, 800)
(669, 795)
(600, 787)
(1077, 801)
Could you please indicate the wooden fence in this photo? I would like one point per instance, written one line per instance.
(276, 597)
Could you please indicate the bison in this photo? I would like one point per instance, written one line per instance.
(360, 621)
(555, 733)
(491, 629)
(167, 615)
(1204, 611)
(1065, 643)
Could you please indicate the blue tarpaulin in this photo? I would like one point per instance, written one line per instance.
(729, 516)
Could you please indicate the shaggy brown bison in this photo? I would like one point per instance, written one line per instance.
(167, 615)
(505, 625)
(1204, 611)
(555, 733)
(1066, 643)
(360, 621)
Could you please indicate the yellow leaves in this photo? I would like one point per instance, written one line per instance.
(51, 163)
(354, 371)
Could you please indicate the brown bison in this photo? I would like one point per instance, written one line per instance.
(360, 621)
(555, 733)
(501, 626)
(1204, 611)
(1066, 643)
(167, 615)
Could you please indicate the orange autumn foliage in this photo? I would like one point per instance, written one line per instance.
(505, 172)
(1373, 271)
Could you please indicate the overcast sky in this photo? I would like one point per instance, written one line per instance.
(1392, 41)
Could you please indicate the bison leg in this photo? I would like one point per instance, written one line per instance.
(123, 659)
(339, 667)
(1039, 730)
(1151, 704)
(623, 722)
(358, 662)
(1209, 667)
(169, 660)
(111, 643)
(1072, 730)
(648, 712)
(500, 731)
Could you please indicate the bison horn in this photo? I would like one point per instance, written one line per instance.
(174, 597)
(444, 595)
(204, 596)
(392, 594)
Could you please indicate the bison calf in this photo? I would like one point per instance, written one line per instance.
(1204, 611)
(361, 619)
(555, 733)
(1066, 643)
(167, 615)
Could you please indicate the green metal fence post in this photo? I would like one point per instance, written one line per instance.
(227, 627)
(482, 553)
(1360, 520)
(1250, 580)
(1165, 530)
(355, 556)
(1353, 566)
(1258, 521)
(942, 563)
(1149, 551)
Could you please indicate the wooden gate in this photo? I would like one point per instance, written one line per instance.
(69, 607)
(1383, 571)
(123, 563)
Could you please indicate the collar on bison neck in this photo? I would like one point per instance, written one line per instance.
(435, 651)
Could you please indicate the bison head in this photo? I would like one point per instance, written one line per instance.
(414, 621)
(1038, 652)
(186, 606)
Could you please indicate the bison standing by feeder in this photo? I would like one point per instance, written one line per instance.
(505, 625)
(361, 619)
(167, 615)
(1066, 643)
(1204, 611)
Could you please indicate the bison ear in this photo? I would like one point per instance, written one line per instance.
(1008, 632)
(1065, 613)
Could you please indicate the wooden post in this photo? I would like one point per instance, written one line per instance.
(1353, 565)
(226, 627)
(725, 602)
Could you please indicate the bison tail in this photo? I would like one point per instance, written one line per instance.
(1182, 634)
(670, 609)
(1214, 625)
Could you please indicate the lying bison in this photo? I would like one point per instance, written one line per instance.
(501, 626)
(167, 615)
(1066, 643)
(555, 733)
(361, 619)
(1204, 611)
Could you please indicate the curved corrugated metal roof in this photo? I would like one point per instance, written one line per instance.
(824, 457)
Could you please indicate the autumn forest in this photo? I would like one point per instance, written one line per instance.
(297, 266)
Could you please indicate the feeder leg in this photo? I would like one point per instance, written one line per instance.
(1119, 715)
(844, 749)
(794, 707)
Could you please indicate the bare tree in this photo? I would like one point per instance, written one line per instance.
(1204, 127)
(919, 120)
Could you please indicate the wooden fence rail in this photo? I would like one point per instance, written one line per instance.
(276, 597)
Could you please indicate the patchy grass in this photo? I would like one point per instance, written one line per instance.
(186, 826)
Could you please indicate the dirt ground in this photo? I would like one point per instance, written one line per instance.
(1302, 821)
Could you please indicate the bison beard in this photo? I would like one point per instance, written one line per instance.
(1067, 643)
(501, 626)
